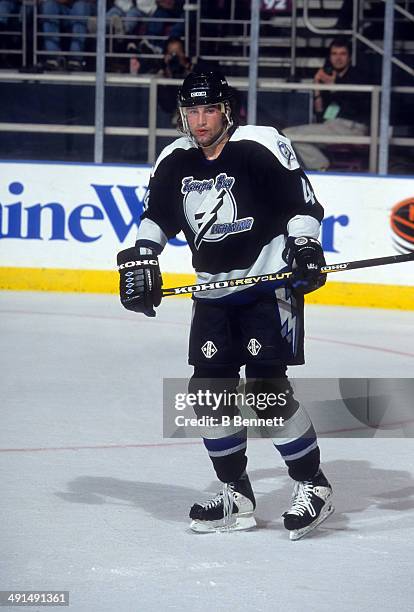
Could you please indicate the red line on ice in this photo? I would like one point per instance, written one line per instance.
(364, 346)
(160, 322)
(388, 426)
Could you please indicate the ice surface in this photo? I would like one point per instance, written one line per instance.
(95, 501)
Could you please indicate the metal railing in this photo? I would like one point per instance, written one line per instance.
(299, 17)
(112, 37)
(355, 34)
(31, 19)
(8, 34)
(151, 133)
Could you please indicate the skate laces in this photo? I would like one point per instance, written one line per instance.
(302, 499)
(212, 503)
(227, 494)
(224, 498)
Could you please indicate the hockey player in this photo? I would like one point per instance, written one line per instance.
(245, 207)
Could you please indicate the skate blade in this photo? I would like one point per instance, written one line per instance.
(239, 523)
(297, 534)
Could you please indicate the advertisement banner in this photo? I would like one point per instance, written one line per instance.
(360, 223)
(78, 216)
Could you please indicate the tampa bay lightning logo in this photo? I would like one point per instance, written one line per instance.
(211, 210)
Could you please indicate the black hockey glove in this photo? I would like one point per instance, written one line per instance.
(304, 256)
(140, 280)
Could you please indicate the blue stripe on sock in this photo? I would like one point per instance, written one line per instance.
(226, 443)
(298, 445)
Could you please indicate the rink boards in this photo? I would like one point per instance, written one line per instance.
(61, 226)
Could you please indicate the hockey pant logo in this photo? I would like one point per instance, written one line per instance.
(209, 349)
(254, 347)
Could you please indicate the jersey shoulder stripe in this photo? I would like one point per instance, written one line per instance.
(272, 140)
(183, 143)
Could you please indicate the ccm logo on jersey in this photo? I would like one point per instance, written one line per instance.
(143, 262)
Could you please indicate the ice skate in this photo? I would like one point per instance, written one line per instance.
(311, 505)
(230, 510)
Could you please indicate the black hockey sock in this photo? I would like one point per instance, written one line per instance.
(230, 468)
(305, 467)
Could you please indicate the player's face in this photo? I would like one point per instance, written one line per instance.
(205, 123)
(339, 58)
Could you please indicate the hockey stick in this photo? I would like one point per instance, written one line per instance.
(285, 276)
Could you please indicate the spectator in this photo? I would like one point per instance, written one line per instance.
(175, 65)
(77, 12)
(165, 10)
(339, 113)
(124, 15)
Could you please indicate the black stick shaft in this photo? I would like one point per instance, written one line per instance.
(368, 263)
(285, 276)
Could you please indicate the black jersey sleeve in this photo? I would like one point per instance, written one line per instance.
(160, 220)
(282, 183)
(288, 189)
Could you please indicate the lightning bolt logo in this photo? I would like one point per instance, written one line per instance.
(206, 219)
(287, 315)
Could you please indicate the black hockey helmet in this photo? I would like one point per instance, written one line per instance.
(203, 88)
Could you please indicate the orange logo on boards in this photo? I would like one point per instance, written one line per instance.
(402, 225)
